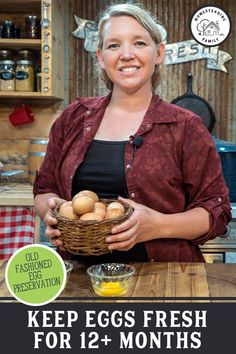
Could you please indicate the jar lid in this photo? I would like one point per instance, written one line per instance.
(25, 51)
(25, 54)
(24, 62)
(9, 62)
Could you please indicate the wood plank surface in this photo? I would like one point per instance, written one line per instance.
(221, 279)
(171, 280)
(17, 195)
(157, 280)
(3, 289)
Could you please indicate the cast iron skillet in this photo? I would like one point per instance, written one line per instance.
(196, 104)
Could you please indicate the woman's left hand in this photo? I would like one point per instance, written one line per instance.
(144, 224)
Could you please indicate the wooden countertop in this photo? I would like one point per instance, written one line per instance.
(18, 195)
(163, 281)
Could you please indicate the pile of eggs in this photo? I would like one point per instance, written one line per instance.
(86, 206)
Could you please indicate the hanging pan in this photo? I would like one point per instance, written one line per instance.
(196, 104)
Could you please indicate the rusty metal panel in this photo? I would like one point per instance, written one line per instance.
(214, 86)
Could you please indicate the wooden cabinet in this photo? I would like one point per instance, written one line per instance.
(49, 50)
(47, 104)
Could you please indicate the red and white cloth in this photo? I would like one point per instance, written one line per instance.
(16, 229)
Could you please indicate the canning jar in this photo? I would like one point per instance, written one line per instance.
(32, 27)
(8, 29)
(25, 54)
(39, 80)
(7, 75)
(5, 54)
(24, 76)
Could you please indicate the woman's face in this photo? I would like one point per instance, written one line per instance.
(129, 54)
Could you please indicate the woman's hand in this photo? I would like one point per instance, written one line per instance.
(51, 232)
(143, 224)
(147, 224)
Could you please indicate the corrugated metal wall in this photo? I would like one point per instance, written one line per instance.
(215, 86)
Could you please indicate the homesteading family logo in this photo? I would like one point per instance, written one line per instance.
(210, 26)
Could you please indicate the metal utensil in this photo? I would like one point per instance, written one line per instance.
(196, 104)
(4, 188)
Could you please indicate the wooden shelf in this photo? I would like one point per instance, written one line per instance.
(52, 60)
(21, 6)
(20, 43)
(34, 95)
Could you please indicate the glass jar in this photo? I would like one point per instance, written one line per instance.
(5, 54)
(32, 27)
(8, 29)
(39, 80)
(7, 75)
(24, 76)
(25, 54)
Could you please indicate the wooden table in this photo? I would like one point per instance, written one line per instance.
(21, 195)
(162, 282)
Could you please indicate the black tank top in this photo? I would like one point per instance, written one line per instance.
(103, 172)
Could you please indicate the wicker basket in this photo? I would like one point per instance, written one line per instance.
(87, 238)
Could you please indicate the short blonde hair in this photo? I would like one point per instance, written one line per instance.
(144, 18)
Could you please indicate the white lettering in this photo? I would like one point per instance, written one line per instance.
(32, 322)
(195, 337)
(182, 340)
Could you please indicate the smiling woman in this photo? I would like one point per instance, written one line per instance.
(128, 55)
(146, 24)
(178, 202)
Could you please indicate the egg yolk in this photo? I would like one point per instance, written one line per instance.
(111, 288)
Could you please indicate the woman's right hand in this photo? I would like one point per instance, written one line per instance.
(51, 231)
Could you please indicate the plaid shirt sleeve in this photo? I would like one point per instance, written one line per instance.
(16, 229)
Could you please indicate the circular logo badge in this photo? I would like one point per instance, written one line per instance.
(210, 26)
(35, 275)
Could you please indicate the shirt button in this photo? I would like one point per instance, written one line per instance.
(128, 166)
(151, 260)
(88, 112)
(132, 195)
(148, 125)
(71, 177)
(88, 129)
(219, 199)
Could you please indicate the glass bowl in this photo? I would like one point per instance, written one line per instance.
(111, 279)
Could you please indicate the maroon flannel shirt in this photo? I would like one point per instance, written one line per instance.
(177, 168)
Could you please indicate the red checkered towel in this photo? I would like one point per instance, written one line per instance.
(16, 229)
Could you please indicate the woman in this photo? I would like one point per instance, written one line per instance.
(131, 143)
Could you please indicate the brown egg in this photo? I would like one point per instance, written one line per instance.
(100, 205)
(87, 193)
(82, 205)
(68, 212)
(91, 216)
(116, 205)
(113, 213)
(65, 204)
(100, 212)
